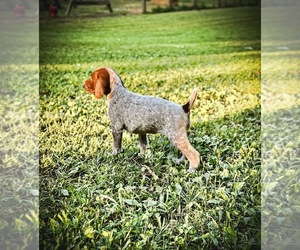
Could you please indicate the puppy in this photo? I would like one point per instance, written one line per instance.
(141, 114)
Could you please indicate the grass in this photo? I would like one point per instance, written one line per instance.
(19, 221)
(19, 179)
(280, 128)
(91, 200)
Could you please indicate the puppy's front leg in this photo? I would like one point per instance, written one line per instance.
(144, 145)
(117, 137)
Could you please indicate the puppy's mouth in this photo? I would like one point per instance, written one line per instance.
(85, 86)
(91, 91)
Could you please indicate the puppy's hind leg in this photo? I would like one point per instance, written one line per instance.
(188, 151)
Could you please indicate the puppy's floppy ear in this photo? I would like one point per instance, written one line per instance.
(101, 80)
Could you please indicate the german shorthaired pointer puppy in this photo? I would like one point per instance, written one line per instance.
(143, 114)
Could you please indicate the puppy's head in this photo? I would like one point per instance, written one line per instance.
(99, 83)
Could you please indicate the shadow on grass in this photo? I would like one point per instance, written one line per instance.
(280, 178)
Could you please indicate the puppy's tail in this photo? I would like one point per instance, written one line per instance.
(187, 107)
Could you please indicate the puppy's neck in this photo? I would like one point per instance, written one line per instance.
(115, 82)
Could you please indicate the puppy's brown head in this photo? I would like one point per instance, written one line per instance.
(99, 83)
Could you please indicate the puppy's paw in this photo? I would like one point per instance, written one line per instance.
(179, 160)
(146, 153)
(191, 170)
(116, 151)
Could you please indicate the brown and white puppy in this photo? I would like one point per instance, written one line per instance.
(143, 114)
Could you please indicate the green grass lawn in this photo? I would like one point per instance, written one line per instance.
(19, 138)
(92, 200)
(280, 128)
